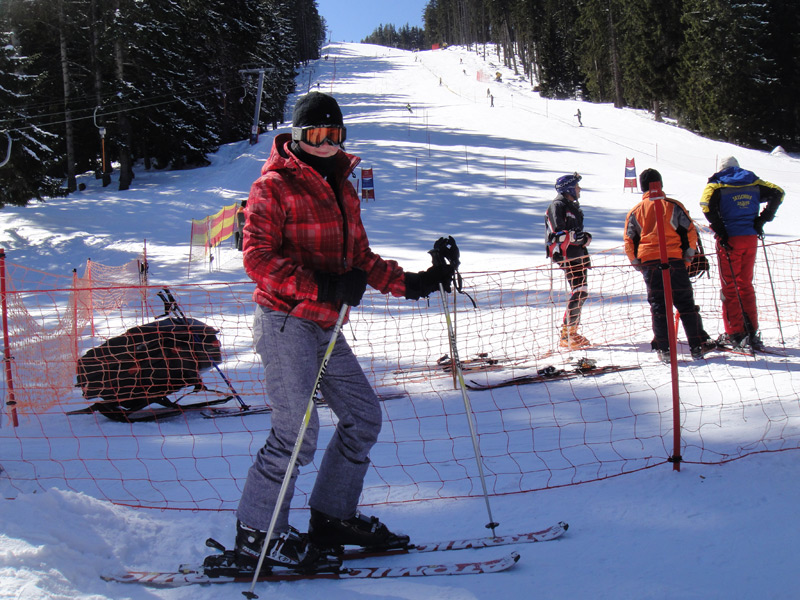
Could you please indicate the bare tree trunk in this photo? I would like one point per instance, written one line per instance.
(69, 134)
(511, 57)
(462, 21)
(657, 111)
(126, 136)
(615, 68)
(96, 24)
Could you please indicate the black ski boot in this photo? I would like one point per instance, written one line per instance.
(291, 550)
(329, 532)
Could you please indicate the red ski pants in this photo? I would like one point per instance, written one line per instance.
(736, 277)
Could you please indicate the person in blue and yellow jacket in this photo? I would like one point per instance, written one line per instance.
(732, 202)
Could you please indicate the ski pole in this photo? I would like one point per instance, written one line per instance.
(171, 305)
(445, 248)
(553, 305)
(287, 477)
(774, 297)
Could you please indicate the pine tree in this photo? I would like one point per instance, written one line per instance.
(783, 44)
(30, 157)
(406, 38)
(279, 49)
(309, 29)
(651, 35)
(51, 34)
(599, 49)
(558, 46)
(160, 90)
(727, 75)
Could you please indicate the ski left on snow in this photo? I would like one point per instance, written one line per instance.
(551, 373)
(190, 575)
(198, 574)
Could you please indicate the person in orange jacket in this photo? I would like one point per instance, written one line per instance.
(642, 246)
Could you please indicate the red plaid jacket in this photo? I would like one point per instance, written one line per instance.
(295, 226)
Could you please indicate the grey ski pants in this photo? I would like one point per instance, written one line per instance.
(291, 351)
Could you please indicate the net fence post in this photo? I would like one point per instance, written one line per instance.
(10, 397)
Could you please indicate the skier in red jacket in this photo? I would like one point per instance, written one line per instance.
(306, 249)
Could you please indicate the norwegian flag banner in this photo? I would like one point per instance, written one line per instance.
(367, 185)
(630, 175)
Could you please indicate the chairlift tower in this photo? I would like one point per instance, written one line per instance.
(254, 129)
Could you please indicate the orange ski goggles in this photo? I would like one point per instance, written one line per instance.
(316, 135)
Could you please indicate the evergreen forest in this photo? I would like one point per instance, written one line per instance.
(406, 38)
(85, 84)
(727, 69)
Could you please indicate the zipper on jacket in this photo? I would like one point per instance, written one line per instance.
(340, 203)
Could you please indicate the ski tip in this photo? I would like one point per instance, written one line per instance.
(564, 525)
(515, 556)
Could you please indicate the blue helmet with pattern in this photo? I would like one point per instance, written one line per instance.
(566, 184)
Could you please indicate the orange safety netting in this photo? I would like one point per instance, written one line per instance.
(533, 437)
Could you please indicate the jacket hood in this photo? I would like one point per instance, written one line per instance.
(734, 176)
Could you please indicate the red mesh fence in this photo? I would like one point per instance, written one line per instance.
(532, 437)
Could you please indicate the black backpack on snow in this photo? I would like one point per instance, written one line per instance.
(145, 364)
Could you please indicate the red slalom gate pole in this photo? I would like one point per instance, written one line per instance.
(11, 399)
(657, 196)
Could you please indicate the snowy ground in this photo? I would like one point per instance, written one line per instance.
(453, 165)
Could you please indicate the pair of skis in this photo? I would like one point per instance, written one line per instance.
(583, 368)
(233, 411)
(159, 413)
(747, 351)
(445, 364)
(210, 409)
(196, 574)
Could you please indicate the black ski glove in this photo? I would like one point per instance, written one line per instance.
(347, 287)
(758, 224)
(423, 284)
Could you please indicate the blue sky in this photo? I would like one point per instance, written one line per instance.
(353, 20)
